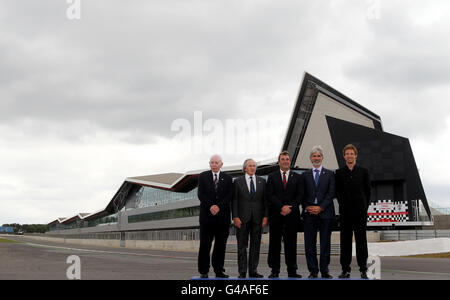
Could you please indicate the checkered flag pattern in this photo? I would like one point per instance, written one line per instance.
(388, 211)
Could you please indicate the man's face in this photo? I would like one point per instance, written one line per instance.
(285, 162)
(350, 156)
(316, 159)
(250, 168)
(215, 164)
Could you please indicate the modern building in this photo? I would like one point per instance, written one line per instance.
(321, 116)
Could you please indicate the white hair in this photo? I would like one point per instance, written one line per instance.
(216, 156)
(316, 149)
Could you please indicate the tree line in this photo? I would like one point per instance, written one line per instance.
(28, 228)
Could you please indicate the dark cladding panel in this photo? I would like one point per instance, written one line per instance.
(310, 88)
(388, 157)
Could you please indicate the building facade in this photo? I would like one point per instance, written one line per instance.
(321, 116)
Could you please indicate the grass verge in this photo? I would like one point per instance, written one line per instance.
(6, 241)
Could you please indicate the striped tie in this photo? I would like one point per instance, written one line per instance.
(216, 182)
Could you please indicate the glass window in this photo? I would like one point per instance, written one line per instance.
(148, 196)
(165, 215)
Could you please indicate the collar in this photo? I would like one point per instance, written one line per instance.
(319, 168)
(287, 172)
(247, 177)
(348, 169)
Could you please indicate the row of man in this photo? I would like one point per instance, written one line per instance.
(255, 203)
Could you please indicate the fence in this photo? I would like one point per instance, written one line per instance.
(407, 235)
(194, 235)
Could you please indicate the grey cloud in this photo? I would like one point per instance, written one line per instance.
(403, 70)
(403, 53)
(128, 68)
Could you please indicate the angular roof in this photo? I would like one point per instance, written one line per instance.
(308, 125)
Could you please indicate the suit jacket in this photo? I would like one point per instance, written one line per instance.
(209, 197)
(353, 191)
(324, 192)
(278, 197)
(249, 208)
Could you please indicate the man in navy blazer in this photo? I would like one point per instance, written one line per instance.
(318, 213)
(215, 192)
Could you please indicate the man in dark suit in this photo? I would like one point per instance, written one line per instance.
(250, 215)
(284, 197)
(353, 194)
(215, 191)
(318, 213)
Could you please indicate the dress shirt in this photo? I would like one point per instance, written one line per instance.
(314, 177)
(247, 179)
(287, 175)
(218, 176)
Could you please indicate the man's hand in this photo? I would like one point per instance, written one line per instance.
(264, 222)
(314, 210)
(285, 210)
(237, 222)
(214, 210)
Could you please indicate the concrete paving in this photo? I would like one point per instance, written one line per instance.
(31, 259)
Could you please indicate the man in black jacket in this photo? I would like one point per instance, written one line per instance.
(353, 195)
(284, 196)
(215, 191)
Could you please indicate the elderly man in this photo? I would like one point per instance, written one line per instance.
(215, 191)
(318, 213)
(249, 210)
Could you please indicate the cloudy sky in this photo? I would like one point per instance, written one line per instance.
(120, 91)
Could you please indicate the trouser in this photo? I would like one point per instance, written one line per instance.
(254, 231)
(208, 233)
(356, 225)
(288, 232)
(312, 225)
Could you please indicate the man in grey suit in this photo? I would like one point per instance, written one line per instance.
(250, 215)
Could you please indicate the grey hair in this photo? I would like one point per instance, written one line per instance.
(244, 165)
(316, 149)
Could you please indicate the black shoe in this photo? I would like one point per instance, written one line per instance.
(221, 275)
(242, 275)
(256, 275)
(344, 275)
(274, 275)
(294, 275)
(327, 276)
(312, 275)
(204, 275)
(364, 275)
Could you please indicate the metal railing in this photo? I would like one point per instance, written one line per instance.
(194, 235)
(408, 235)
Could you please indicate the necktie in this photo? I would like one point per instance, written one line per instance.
(284, 180)
(216, 181)
(316, 177)
(252, 187)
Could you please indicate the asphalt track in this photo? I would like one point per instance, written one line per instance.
(38, 260)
